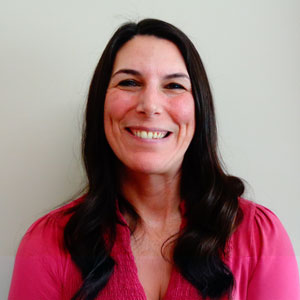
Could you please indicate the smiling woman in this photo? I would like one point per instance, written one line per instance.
(149, 114)
(160, 219)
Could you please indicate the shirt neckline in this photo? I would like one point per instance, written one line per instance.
(123, 236)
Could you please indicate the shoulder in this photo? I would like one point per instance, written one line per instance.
(42, 262)
(46, 234)
(261, 232)
(264, 251)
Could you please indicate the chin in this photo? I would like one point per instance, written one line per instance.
(147, 169)
(150, 167)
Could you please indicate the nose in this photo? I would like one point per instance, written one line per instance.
(149, 102)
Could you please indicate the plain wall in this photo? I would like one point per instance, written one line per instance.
(48, 53)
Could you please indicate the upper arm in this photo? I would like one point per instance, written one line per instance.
(37, 269)
(275, 275)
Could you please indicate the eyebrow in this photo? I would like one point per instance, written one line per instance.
(137, 73)
(127, 71)
(177, 75)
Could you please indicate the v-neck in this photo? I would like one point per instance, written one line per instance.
(124, 237)
(135, 269)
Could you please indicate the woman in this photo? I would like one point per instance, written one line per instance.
(160, 219)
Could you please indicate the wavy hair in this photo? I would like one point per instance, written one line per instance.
(211, 196)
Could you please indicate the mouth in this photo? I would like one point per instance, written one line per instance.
(148, 134)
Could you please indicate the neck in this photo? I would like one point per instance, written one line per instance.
(156, 198)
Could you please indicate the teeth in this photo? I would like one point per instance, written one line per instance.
(149, 134)
(144, 135)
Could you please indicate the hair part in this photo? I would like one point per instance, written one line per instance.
(210, 195)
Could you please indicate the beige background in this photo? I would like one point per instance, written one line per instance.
(49, 50)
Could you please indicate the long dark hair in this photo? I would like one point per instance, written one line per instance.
(211, 196)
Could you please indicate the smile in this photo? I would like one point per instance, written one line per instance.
(148, 134)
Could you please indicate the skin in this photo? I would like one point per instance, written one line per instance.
(150, 90)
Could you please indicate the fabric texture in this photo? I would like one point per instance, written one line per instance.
(260, 256)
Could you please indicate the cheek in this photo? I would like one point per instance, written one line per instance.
(116, 105)
(183, 110)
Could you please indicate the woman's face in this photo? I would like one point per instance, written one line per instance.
(149, 112)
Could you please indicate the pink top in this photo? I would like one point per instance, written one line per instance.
(261, 258)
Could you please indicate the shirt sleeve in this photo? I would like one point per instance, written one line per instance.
(275, 275)
(37, 271)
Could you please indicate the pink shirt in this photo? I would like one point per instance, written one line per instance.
(261, 258)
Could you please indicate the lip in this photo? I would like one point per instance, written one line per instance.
(142, 128)
(129, 130)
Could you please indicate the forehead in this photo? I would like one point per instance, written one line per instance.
(149, 53)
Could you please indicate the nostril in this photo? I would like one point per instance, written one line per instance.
(148, 106)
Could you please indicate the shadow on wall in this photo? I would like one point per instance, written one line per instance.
(6, 263)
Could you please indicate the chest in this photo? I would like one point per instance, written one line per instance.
(154, 266)
(141, 274)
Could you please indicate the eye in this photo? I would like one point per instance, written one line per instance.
(174, 86)
(129, 83)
